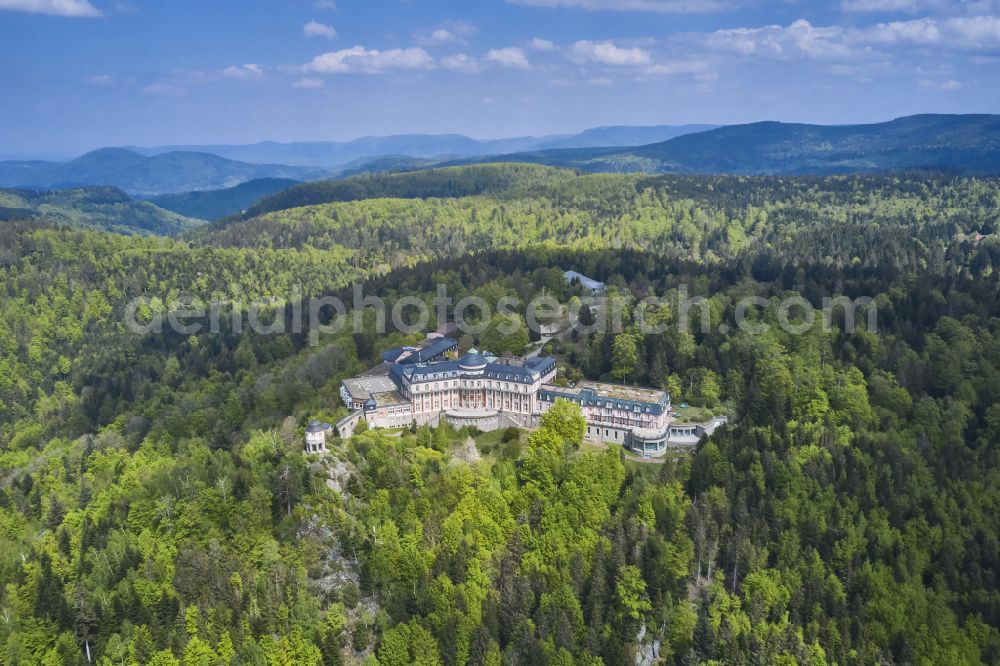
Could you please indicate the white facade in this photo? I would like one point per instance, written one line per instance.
(490, 393)
(636, 418)
(476, 384)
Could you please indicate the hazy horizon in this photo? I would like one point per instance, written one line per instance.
(349, 139)
(67, 155)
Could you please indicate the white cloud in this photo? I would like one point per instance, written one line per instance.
(888, 6)
(947, 86)
(576, 83)
(317, 29)
(451, 32)
(538, 44)
(438, 37)
(359, 60)
(511, 57)
(606, 53)
(248, 71)
(71, 8)
(442, 36)
(699, 69)
(802, 39)
(965, 33)
(100, 80)
(663, 6)
(325, 4)
(799, 39)
(308, 82)
(919, 31)
(460, 62)
(633, 61)
(163, 90)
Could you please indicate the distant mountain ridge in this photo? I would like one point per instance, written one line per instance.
(334, 153)
(144, 175)
(961, 144)
(624, 135)
(180, 169)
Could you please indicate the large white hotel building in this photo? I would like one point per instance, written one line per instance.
(425, 384)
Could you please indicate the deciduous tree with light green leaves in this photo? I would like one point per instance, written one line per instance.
(565, 419)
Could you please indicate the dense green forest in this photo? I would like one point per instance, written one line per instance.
(711, 219)
(155, 506)
(448, 182)
(94, 208)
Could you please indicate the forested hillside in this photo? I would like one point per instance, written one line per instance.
(213, 204)
(96, 208)
(155, 506)
(448, 182)
(699, 218)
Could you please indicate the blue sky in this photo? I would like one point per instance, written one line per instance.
(78, 74)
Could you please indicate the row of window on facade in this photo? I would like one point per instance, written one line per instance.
(475, 392)
(446, 375)
(607, 432)
(634, 423)
(478, 384)
(489, 402)
(596, 405)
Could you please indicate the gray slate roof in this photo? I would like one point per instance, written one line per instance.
(525, 374)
